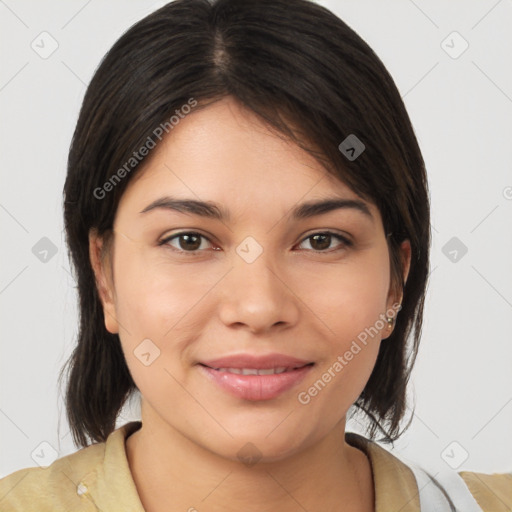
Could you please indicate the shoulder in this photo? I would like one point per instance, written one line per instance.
(55, 487)
(397, 488)
(492, 492)
(94, 478)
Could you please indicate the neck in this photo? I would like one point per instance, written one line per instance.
(172, 473)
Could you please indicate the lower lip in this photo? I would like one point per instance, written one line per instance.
(256, 387)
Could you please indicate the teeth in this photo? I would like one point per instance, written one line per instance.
(268, 371)
(249, 371)
(254, 371)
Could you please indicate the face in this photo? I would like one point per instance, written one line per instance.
(253, 319)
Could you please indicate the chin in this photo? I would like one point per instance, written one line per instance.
(258, 446)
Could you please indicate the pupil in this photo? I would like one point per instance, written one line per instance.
(326, 241)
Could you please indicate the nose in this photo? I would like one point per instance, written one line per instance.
(256, 296)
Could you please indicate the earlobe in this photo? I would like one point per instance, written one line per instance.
(103, 281)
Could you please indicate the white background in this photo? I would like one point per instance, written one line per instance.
(461, 109)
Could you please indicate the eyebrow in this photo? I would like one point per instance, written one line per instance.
(213, 211)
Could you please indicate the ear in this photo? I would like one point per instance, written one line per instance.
(101, 266)
(395, 294)
(405, 249)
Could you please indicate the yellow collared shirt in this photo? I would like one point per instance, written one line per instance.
(98, 477)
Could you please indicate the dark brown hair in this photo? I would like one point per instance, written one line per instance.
(311, 78)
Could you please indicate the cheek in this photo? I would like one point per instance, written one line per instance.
(351, 303)
(151, 295)
(158, 302)
(350, 296)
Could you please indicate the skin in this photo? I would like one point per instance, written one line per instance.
(296, 298)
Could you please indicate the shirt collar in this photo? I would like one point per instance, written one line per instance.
(394, 483)
(112, 487)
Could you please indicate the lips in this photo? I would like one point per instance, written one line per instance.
(256, 377)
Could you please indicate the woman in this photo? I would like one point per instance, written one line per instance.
(247, 212)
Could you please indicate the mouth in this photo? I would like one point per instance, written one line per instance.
(251, 362)
(256, 378)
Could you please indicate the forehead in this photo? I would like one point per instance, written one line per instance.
(224, 152)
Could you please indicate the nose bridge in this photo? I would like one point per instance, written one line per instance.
(256, 294)
(256, 272)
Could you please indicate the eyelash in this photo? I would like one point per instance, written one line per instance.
(344, 241)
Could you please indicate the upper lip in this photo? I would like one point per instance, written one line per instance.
(258, 362)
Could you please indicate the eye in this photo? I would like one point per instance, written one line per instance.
(188, 241)
(322, 240)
